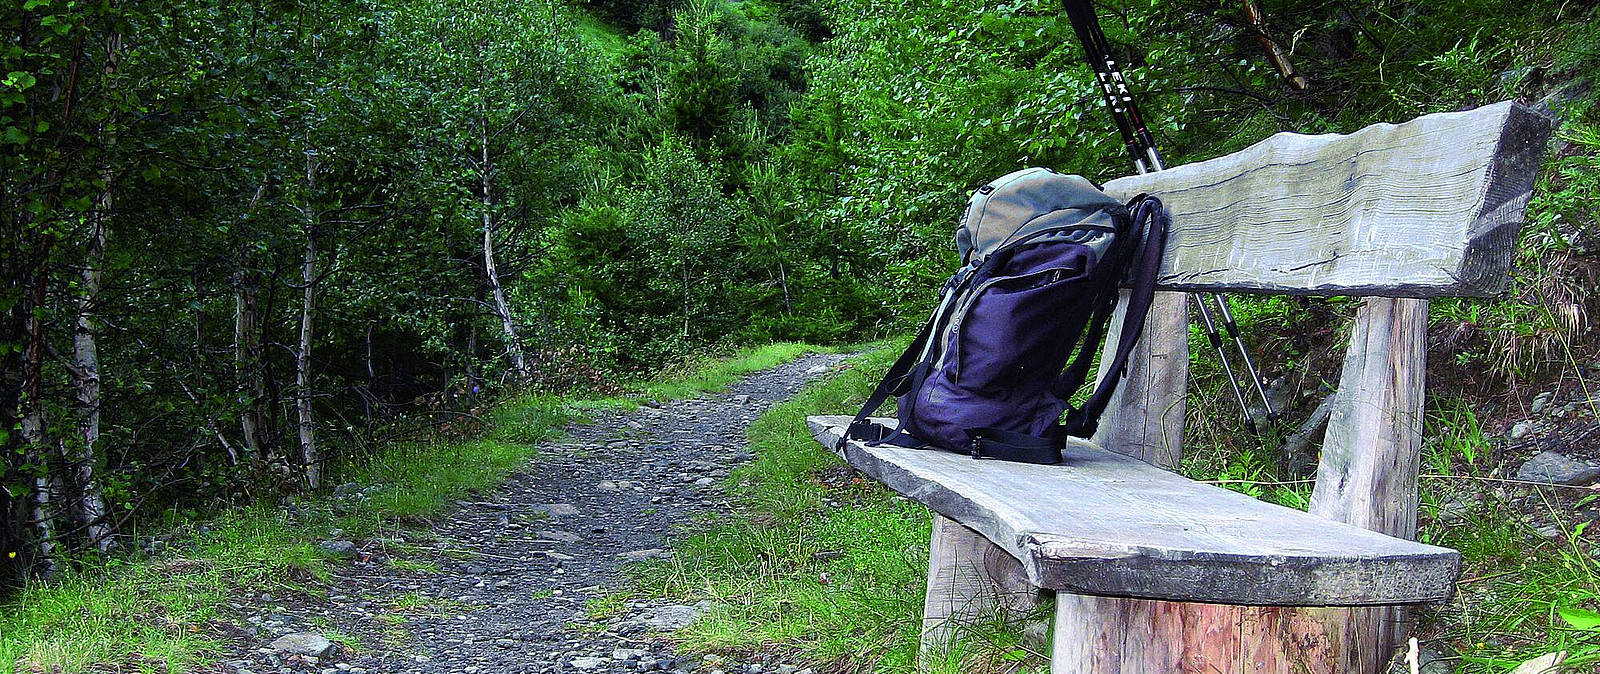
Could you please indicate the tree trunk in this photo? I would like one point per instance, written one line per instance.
(783, 280)
(247, 345)
(88, 506)
(310, 461)
(247, 358)
(686, 303)
(519, 363)
(34, 434)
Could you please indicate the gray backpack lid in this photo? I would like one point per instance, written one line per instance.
(1024, 202)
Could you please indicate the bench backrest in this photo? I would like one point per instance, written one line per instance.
(1428, 208)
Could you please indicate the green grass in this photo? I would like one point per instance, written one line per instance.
(153, 610)
(600, 34)
(156, 609)
(715, 374)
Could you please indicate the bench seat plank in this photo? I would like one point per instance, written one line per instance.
(1105, 524)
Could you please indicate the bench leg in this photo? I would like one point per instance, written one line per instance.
(1100, 635)
(969, 579)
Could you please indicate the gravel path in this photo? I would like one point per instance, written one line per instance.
(512, 569)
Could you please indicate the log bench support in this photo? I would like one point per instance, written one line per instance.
(1155, 574)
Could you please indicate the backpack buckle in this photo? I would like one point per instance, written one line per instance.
(976, 447)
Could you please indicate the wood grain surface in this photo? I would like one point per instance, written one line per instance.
(1427, 208)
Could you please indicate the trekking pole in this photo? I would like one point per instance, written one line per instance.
(1141, 147)
(1238, 340)
(1222, 354)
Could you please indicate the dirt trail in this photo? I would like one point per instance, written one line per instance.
(516, 566)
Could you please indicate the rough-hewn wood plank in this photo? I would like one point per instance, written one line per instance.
(1427, 208)
(1103, 523)
(1372, 449)
(1145, 417)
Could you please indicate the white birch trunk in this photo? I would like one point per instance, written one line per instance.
(310, 460)
(89, 510)
(247, 345)
(519, 363)
(42, 514)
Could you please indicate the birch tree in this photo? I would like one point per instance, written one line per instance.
(499, 89)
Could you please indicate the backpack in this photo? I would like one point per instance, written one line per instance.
(1043, 255)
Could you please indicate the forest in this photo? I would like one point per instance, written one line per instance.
(250, 246)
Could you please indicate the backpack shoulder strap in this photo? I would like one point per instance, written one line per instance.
(1148, 211)
(903, 371)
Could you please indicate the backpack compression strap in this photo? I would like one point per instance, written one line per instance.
(995, 443)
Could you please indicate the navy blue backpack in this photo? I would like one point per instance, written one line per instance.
(1018, 325)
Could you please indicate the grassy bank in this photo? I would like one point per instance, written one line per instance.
(163, 609)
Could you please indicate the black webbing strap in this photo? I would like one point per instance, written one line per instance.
(1146, 210)
(894, 380)
(995, 443)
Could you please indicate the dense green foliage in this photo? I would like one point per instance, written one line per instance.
(244, 242)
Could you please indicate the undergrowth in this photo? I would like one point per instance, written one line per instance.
(162, 611)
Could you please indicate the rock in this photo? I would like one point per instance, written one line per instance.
(563, 536)
(1550, 663)
(1459, 506)
(606, 485)
(671, 618)
(587, 663)
(1551, 532)
(705, 481)
(1556, 468)
(339, 549)
(816, 370)
(1556, 103)
(626, 654)
(1520, 430)
(638, 555)
(304, 643)
(347, 489)
(556, 509)
(786, 669)
(1541, 401)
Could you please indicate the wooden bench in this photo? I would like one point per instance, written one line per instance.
(1154, 573)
